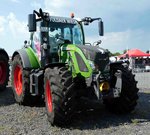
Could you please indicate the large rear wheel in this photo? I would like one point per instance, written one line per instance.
(4, 71)
(128, 97)
(60, 95)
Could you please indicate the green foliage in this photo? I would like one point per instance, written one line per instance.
(113, 54)
(116, 54)
(124, 51)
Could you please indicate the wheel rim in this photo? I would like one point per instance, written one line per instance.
(3, 67)
(18, 80)
(49, 97)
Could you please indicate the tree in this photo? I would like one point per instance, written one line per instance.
(116, 54)
(113, 54)
(124, 51)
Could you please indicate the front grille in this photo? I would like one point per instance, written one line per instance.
(81, 64)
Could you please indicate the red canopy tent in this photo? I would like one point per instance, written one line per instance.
(134, 53)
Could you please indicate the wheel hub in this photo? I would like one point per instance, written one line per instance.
(49, 97)
(18, 80)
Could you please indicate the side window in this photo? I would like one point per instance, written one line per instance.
(67, 34)
(53, 32)
(77, 36)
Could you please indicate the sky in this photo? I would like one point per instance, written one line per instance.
(126, 22)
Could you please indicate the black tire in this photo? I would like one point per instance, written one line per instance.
(128, 98)
(61, 93)
(20, 82)
(4, 71)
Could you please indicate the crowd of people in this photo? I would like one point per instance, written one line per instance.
(142, 63)
(139, 64)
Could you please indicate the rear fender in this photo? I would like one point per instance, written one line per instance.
(28, 58)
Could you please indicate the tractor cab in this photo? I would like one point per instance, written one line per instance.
(55, 32)
(52, 32)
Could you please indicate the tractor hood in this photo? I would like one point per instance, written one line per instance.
(98, 55)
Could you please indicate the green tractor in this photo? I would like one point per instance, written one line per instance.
(58, 65)
(4, 69)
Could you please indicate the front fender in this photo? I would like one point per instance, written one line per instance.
(76, 60)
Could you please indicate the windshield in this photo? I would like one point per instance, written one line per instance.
(70, 32)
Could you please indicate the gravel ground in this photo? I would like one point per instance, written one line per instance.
(143, 79)
(26, 120)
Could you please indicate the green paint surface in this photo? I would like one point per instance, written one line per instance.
(68, 56)
(34, 61)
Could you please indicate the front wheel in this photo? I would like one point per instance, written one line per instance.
(60, 95)
(128, 97)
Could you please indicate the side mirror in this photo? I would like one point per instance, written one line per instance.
(101, 28)
(32, 22)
